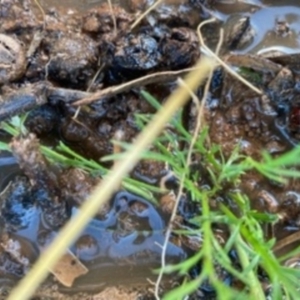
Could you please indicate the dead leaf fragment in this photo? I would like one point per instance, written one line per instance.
(68, 269)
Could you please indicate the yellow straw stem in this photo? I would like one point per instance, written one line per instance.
(143, 15)
(106, 188)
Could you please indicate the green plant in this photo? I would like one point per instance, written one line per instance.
(66, 157)
(253, 250)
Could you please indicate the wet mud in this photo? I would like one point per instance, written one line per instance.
(47, 65)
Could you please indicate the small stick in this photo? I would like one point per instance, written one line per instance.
(200, 109)
(18, 104)
(39, 35)
(36, 95)
(89, 87)
(117, 89)
(23, 101)
(286, 241)
(37, 3)
(144, 14)
(221, 62)
(113, 17)
(66, 95)
(42, 93)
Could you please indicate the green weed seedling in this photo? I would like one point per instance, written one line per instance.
(65, 157)
(246, 237)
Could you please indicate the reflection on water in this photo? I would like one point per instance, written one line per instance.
(127, 234)
(264, 20)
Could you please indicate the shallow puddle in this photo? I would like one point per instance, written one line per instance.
(128, 234)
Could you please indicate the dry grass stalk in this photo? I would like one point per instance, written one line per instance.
(38, 35)
(144, 14)
(37, 3)
(142, 81)
(221, 62)
(105, 189)
(286, 241)
(90, 86)
(113, 17)
(200, 109)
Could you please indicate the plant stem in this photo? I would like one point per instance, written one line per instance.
(253, 283)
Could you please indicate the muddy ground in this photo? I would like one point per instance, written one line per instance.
(50, 62)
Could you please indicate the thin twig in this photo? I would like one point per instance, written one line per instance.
(221, 62)
(90, 87)
(200, 109)
(167, 237)
(95, 77)
(38, 35)
(144, 14)
(142, 81)
(37, 3)
(105, 189)
(281, 244)
(180, 191)
(161, 76)
(36, 95)
(65, 95)
(113, 17)
(6, 188)
(23, 101)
